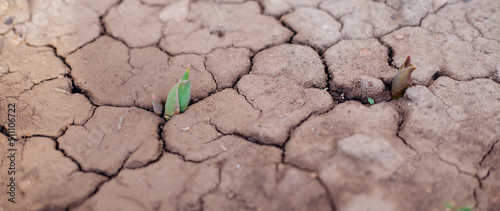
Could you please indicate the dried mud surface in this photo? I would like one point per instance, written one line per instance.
(279, 117)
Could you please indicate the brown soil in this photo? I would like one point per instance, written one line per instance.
(279, 117)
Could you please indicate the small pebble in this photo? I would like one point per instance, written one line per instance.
(60, 90)
(313, 175)
(120, 124)
(8, 21)
(399, 37)
(237, 166)
(223, 147)
(186, 129)
(364, 52)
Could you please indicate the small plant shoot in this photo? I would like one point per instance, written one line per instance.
(371, 101)
(450, 207)
(177, 100)
(157, 106)
(402, 80)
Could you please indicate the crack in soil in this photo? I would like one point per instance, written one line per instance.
(320, 181)
(442, 101)
(338, 97)
(402, 113)
(390, 53)
(4, 131)
(489, 152)
(219, 179)
(249, 139)
(248, 101)
(476, 177)
(80, 202)
(212, 74)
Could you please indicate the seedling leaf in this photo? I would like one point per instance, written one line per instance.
(179, 96)
(401, 82)
(371, 101)
(465, 209)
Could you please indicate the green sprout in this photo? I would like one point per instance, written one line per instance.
(371, 101)
(177, 100)
(402, 80)
(453, 208)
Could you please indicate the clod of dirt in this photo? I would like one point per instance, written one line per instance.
(282, 103)
(299, 63)
(113, 76)
(159, 2)
(66, 26)
(44, 177)
(114, 137)
(314, 28)
(465, 62)
(203, 31)
(278, 8)
(168, 184)
(489, 194)
(268, 184)
(16, 11)
(359, 69)
(438, 24)
(136, 24)
(369, 149)
(34, 63)
(411, 12)
(13, 84)
(362, 19)
(322, 134)
(488, 13)
(48, 109)
(456, 120)
(100, 6)
(368, 202)
(228, 65)
(176, 10)
(349, 184)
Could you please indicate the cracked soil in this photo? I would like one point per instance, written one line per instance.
(279, 117)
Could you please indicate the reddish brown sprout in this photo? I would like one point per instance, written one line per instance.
(402, 80)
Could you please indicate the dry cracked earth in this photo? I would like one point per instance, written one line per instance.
(279, 118)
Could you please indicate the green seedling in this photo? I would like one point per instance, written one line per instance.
(402, 80)
(177, 100)
(371, 101)
(450, 207)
